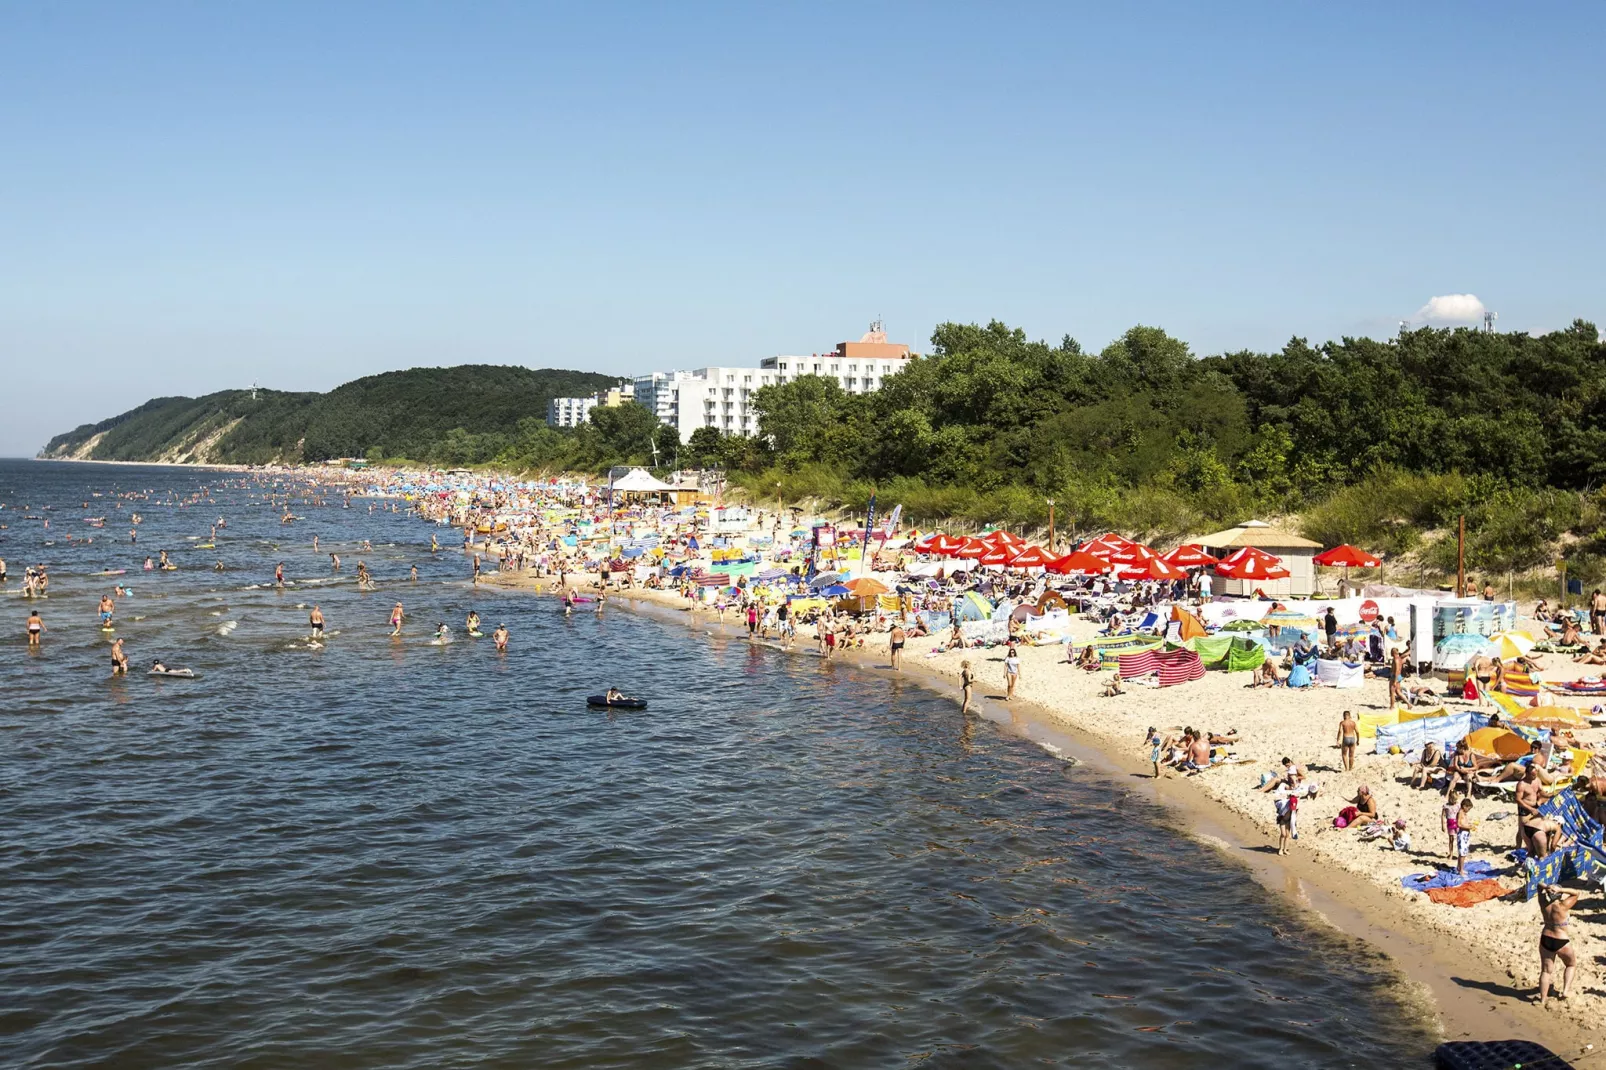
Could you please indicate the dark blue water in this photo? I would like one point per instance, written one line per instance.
(384, 853)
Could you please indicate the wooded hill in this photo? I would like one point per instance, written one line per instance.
(443, 415)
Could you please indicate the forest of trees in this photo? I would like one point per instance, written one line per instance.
(1369, 441)
(1373, 442)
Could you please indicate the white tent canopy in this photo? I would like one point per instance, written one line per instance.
(639, 479)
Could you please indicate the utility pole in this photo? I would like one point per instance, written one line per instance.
(1461, 557)
(1050, 525)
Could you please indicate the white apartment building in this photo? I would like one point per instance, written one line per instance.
(569, 412)
(721, 397)
(572, 412)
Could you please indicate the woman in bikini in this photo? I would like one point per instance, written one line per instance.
(967, 681)
(1554, 940)
(1349, 736)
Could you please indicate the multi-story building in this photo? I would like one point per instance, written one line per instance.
(721, 397)
(572, 412)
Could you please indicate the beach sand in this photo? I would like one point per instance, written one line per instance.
(1479, 964)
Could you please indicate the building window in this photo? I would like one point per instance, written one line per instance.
(780, 367)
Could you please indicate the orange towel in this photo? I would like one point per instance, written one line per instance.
(1469, 894)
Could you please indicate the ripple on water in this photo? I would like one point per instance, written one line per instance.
(390, 854)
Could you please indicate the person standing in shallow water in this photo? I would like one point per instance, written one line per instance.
(396, 619)
(967, 684)
(36, 627)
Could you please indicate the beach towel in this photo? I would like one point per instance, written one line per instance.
(1477, 869)
(1173, 666)
(1299, 676)
(1332, 673)
(1468, 894)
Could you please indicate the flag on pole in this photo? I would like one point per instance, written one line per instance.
(864, 545)
(892, 522)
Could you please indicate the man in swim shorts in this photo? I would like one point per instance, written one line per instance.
(119, 659)
(106, 607)
(315, 618)
(895, 646)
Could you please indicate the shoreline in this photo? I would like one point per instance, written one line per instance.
(1469, 994)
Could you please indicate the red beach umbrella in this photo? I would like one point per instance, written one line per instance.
(1152, 569)
(1132, 556)
(1079, 563)
(946, 545)
(972, 548)
(1187, 556)
(1107, 543)
(1347, 556)
(1031, 557)
(1252, 564)
(996, 555)
(1002, 538)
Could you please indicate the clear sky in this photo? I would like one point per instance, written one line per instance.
(196, 196)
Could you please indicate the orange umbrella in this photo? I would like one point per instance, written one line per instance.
(866, 587)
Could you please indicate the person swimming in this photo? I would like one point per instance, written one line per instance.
(443, 634)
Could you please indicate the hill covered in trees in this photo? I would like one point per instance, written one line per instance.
(458, 415)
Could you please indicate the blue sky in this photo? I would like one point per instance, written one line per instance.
(195, 196)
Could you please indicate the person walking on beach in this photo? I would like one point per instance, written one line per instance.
(1287, 803)
(36, 627)
(1011, 671)
(1555, 942)
(1153, 742)
(967, 684)
(1597, 612)
(396, 619)
(119, 659)
(895, 646)
(1349, 736)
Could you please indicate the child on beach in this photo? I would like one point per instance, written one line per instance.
(1452, 813)
(1400, 839)
(1152, 741)
(1011, 671)
(1464, 826)
(1287, 803)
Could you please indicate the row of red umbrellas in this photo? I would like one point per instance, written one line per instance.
(1129, 560)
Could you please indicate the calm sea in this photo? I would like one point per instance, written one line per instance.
(387, 853)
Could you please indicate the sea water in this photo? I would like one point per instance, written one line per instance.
(385, 853)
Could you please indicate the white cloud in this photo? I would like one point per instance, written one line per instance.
(1451, 308)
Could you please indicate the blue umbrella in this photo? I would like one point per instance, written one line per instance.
(836, 590)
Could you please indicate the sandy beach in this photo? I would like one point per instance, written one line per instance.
(1478, 965)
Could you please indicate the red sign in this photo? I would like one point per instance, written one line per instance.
(1369, 611)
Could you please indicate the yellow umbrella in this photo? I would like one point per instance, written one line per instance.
(1512, 645)
(1498, 742)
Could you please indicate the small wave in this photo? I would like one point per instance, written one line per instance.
(227, 627)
